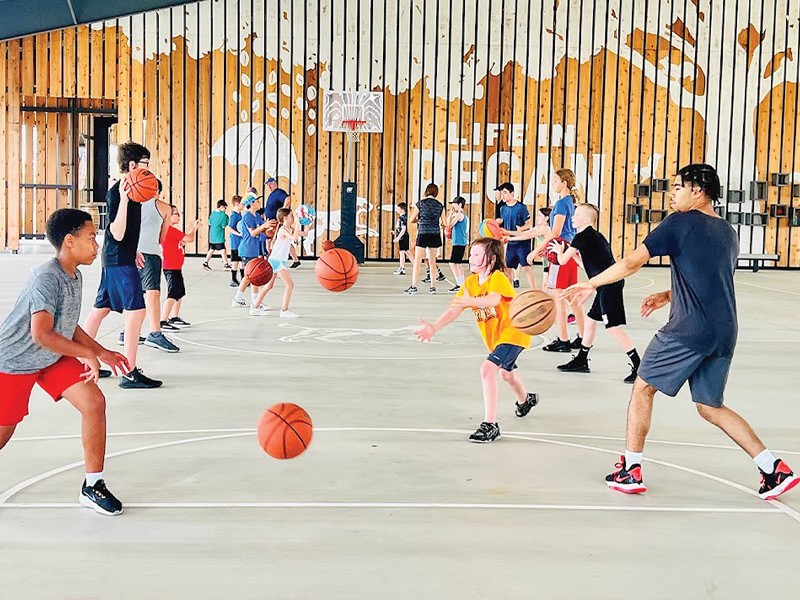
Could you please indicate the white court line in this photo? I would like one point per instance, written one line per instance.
(5, 496)
(763, 287)
(426, 505)
(75, 436)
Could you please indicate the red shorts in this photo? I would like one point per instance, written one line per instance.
(15, 390)
(560, 277)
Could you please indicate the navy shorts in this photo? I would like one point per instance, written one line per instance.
(505, 356)
(608, 305)
(120, 289)
(234, 255)
(517, 254)
(176, 289)
(457, 255)
(216, 246)
(667, 365)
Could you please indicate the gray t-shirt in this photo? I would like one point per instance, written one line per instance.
(703, 252)
(50, 289)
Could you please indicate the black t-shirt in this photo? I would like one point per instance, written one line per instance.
(703, 252)
(402, 223)
(122, 253)
(430, 212)
(595, 251)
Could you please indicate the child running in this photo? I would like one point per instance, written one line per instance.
(217, 224)
(174, 258)
(592, 250)
(42, 343)
(488, 293)
(286, 235)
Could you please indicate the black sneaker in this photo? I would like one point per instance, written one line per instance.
(295, 264)
(179, 323)
(432, 290)
(516, 283)
(440, 277)
(121, 339)
(780, 480)
(576, 343)
(234, 283)
(167, 326)
(632, 377)
(627, 480)
(136, 380)
(427, 279)
(100, 499)
(455, 288)
(105, 373)
(523, 409)
(557, 345)
(206, 266)
(411, 290)
(576, 365)
(487, 432)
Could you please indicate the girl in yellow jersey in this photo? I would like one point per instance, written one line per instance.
(488, 293)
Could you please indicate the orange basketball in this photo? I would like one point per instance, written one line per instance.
(532, 312)
(284, 430)
(141, 185)
(327, 245)
(337, 270)
(258, 271)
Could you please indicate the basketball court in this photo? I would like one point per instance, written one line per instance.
(391, 500)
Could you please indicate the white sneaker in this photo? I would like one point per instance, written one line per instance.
(257, 311)
(238, 303)
(399, 271)
(287, 314)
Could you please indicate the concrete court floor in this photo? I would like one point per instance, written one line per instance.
(391, 501)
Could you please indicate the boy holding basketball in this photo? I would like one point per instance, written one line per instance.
(120, 284)
(592, 250)
(174, 257)
(42, 343)
(286, 235)
(251, 227)
(488, 293)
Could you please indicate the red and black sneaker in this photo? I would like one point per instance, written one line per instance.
(780, 480)
(627, 480)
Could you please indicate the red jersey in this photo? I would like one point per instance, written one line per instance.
(173, 249)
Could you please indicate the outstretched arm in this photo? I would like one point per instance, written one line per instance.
(428, 330)
(580, 292)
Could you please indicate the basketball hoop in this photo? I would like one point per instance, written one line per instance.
(354, 126)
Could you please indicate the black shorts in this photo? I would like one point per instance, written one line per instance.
(175, 286)
(457, 254)
(234, 255)
(120, 289)
(429, 240)
(403, 243)
(517, 254)
(608, 305)
(505, 356)
(217, 246)
(151, 273)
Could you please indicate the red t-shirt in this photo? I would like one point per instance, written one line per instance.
(173, 249)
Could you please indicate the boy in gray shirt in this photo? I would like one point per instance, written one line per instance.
(42, 343)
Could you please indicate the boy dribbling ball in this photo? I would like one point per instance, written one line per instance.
(488, 293)
(42, 343)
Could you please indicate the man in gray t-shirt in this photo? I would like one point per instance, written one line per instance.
(697, 343)
(42, 344)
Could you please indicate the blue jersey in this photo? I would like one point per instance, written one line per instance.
(565, 206)
(250, 246)
(233, 223)
(460, 232)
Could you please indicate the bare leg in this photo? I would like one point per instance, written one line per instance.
(209, 256)
(589, 332)
(734, 426)
(293, 253)
(432, 252)
(509, 273)
(580, 317)
(176, 311)
(402, 259)
(418, 254)
(91, 403)
(623, 339)
(96, 317)
(287, 294)
(640, 413)
(224, 256)
(166, 312)
(561, 317)
(262, 293)
(152, 301)
(514, 381)
(6, 431)
(133, 329)
(530, 277)
(490, 391)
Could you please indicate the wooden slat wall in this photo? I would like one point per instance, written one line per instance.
(475, 93)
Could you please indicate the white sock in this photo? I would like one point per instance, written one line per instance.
(632, 458)
(460, 280)
(92, 478)
(239, 296)
(765, 461)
